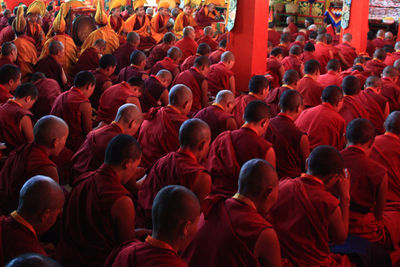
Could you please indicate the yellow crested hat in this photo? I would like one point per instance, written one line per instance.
(19, 23)
(192, 2)
(73, 4)
(166, 4)
(116, 4)
(216, 2)
(59, 24)
(37, 7)
(100, 17)
(139, 3)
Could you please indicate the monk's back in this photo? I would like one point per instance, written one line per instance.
(192, 79)
(218, 78)
(240, 105)
(311, 91)
(216, 118)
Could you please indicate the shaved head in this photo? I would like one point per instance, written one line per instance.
(290, 100)
(128, 113)
(137, 57)
(224, 96)
(347, 37)
(55, 47)
(100, 43)
(291, 77)
(179, 95)
(133, 38)
(373, 81)
(332, 95)
(174, 53)
(121, 149)
(227, 56)
(360, 132)
(164, 74)
(381, 33)
(193, 132)
(390, 72)
(351, 85)
(300, 38)
(380, 54)
(32, 260)
(187, 31)
(203, 49)
(256, 111)
(49, 128)
(324, 161)
(208, 30)
(388, 36)
(392, 123)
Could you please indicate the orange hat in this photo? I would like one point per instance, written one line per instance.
(139, 3)
(59, 24)
(116, 4)
(72, 4)
(216, 2)
(166, 4)
(100, 17)
(19, 23)
(37, 7)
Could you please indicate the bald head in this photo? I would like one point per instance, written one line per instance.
(360, 132)
(169, 38)
(128, 113)
(32, 260)
(291, 77)
(179, 95)
(188, 31)
(397, 64)
(390, 72)
(174, 53)
(133, 38)
(208, 31)
(380, 33)
(256, 111)
(55, 47)
(224, 96)
(351, 85)
(324, 161)
(392, 123)
(380, 54)
(193, 132)
(121, 149)
(332, 95)
(374, 82)
(137, 57)
(347, 37)
(227, 57)
(7, 48)
(291, 101)
(300, 38)
(48, 129)
(100, 43)
(388, 36)
(203, 49)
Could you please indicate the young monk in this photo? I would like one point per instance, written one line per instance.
(16, 127)
(195, 79)
(34, 30)
(8, 54)
(307, 215)
(116, 96)
(122, 52)
(208, 38)
(181, 168)
(221, 76)
(50, 136)
(215, 56)
(99, 212)
(347, 50)
(323, 123)
(90, 155)
(114, 19)
(187, 44)
(293, 60)
(89, 59)
(202, 50)
(74, 107)
(352, 108)
(235, 227)
(275, 67)
(308, 52)
(331, 77)
(284, 44)
(322, 52)
(308, 86)
(230, 150)
(258, 90)
(155, 91)
(175, 214)
(291, 145)
(135, 69)
(170, 62)
(390, 89)
(40, 202)
(160, 22)
(160, 51)
(159, 132)
(183, 20)
(10, 79)
(376, 65)
(48, 91)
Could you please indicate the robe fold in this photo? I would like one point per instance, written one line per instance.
(273, 98)
(27, 55)
(51, 68)
(159, 133)
(7, 35)
(361, 75)
(348, 52)
(99, 89)
(210, 41)
(216, 118)
(375, 105)
(352, 109)
(151, 94)
(391, 91)
(241, 103)
(193, 79)
(311, 91)
(187, 46)
(329, 78)
(156, 54)
(4, 94)
(323, 125)
(390, 59)
(218, 78)
(188, 63)
(128, 72)
(167, 63)
(378, 42)
(322, 55)
(292, 62)
(273, 68)
(35, 31)
(122, 55)
(157, 22)
(48, 90)
(215, 56)
(306, 56)
(88, 60)
(375, 66)
(107, 34)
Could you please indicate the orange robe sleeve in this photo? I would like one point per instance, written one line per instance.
(27, 54)
(156, 23)
(106, 33)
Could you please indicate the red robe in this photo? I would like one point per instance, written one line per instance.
(89, 60)
(273, 99)
(215, 56)
(348, 52)
(376, 67)
(329, 78)
(188, 47)
(7, 35)
(90, 155)
(292, 27)
(311, 91)
(159, 133)
(51, 68)
(66, 106)
(375, 105)
(188, 63)
(6, 60)
(292, 62)
(167, 63)
(49, 90)
(352, 109)
(88, 233)
(193, 79)
(274, 37)
(362, 76)
(273, 67)
(128, 72)
(210, 41)
(175, 168)
(22, 164)
(378, 42)
(306, 56)
(218, 78)
(322, 55)
(229, 151)
(391, 91)
(110, 101)
(4, 94)
(296, 43)
(241, 103)
(284, 48)
(228, 232)
(215, 117)
(98, 90)
(390, 59)
(205, 18)
(323, 125)
(122, 55)
(152, 93)
(370, 48)
(156, 54)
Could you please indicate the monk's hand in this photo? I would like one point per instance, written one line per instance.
(344, 186)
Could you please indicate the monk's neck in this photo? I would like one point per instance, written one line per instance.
(193, 154)
(291, 115)
(173, 244)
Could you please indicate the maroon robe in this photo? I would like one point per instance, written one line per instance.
(306, 56)
(48, 90)
(375, 105)
(370, 48)
(187, 46)
(329, 78)
(202, 19)
(348, 52)
(3, 22)
(215, 56)
(323, 125)
(156, 54)
(88, 60)
(241, 103)
(193, 79)
(322, 55)
(88, 233)
(292, 62)
(22, 164)
(167, 63)
(292, 27)
(175, 168)
(152, 93)
(4, 94)
(390, 59)
(274, 37)
(67, 107)
(218, 78)
(159, 133)
(375, 66)
(273, 67)
(215, 117)
(188, 63)
(98, 90)
(378, 42)
(210, 41)
(6, 60)
(284, 48)
(128, 72)
(7, 35)
(273, 98)
(51, 68)
(362, 76)
(311, 91)
(122, 55)
(391, 91)
(352, 109)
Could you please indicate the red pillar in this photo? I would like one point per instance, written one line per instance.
(248, 40)
(358, 25)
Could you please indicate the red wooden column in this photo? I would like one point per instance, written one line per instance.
(248, 40)
(358, 25)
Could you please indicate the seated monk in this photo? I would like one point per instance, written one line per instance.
(369, 185)
(230, 150)
(34, 29)
(160, 22)
(293, 61)
(90, 155)
(390, 59)
(291, 145)
(235, 227)
(115, 20)
(195, 79)
(7, 34)
(375, 103)
(358, 70)
(331, 77)
(273, 35)
(89, 59)
(290, 80)
(74, 107)
(10, 79)
(323, 123)
(32, 259)
(40, 202)
(300, 41)
(208, 38)
(258, 90)
(379, 41)
(390, 89)
(170, 62)
(219, 115)
(103, 73)
(155, 91)
(16, 127)
(202, 50)
(160, 51)
(292, 27)
(308, 52)
(135, 69)
(177, 168)
(117, 95)
(347, 50)
(51, 65)
(99, 213)
(284, 44)
(221, 76)
(322, 53)
(275, 67)
(175, 214)
(307, 216)
(376, 65)
(308, 86)
(187, 44)
(207, 14)
(158, 134)
(132, 43)
(352, 108)
(32, 159)
(184, 19)
(48, 91)
(8, 54)
(215, 56)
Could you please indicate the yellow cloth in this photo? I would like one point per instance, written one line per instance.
(70, 56)
(139, 3)
(107, 34)
(100, 17)
(166, 4)
(27, 55)
(216, 2)
(73, 4)
(59, 24)
(37, 7)
(19, 23)
(155, 30)
(119, 20)
(178, 26)
(116, 4)
(143, 31)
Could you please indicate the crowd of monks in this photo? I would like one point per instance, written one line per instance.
(138, 149)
